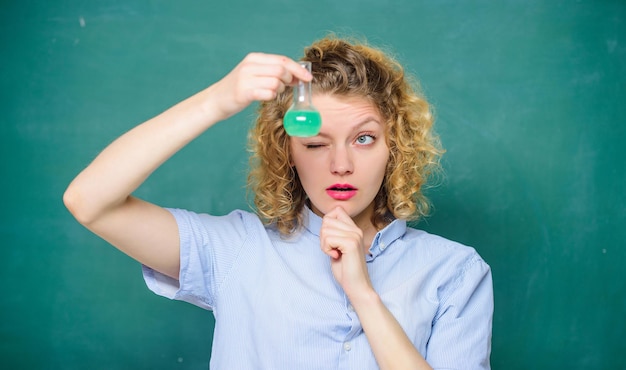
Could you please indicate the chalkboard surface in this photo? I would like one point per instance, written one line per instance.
(530, 98)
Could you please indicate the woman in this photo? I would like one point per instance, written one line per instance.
(326, 273)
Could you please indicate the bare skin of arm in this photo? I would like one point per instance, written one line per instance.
(100, 196)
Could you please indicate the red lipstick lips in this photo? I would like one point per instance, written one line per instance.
(341, 191)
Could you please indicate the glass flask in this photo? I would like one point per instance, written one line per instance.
(302, 119)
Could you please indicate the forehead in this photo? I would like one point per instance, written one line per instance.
(345, 108)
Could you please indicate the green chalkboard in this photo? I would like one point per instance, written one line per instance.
(530, 99)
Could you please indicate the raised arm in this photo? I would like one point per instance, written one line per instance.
(100, 196)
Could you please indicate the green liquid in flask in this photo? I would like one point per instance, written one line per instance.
(302, 123)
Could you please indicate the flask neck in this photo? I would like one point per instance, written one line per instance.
(302, 94)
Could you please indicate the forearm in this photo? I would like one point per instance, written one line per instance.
(121, 167)
(391, 346)
(128, 161)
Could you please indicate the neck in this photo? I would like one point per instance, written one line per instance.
(368, 236)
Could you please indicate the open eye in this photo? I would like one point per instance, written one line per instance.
(365, 139)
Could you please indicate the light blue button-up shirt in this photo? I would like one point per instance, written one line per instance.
(278, 306)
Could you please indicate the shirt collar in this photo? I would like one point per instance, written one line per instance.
(383, 239)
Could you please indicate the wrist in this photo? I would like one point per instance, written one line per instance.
(365, 298)
(211, 105)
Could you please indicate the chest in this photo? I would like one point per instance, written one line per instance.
(289, 296)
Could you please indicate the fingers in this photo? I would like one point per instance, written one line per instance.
(289, 71)
(267, 73)
(258, 77)
(340, 214)
(263, 76)
(265, 88)
(339, 234)
(336, 242)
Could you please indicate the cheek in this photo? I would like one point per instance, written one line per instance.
(379, 162)
(291, 154)
(305, 166)
(296, 160)
(379, 169)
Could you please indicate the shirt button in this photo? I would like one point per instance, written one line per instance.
(347, 346)
(382, 246)
(350, 308)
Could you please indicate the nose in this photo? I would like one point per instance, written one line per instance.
(341, 161)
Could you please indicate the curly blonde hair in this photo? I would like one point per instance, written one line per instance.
(348, 69)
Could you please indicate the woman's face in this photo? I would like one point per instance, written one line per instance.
(345, 164)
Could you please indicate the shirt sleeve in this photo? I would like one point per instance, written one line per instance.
(209, 246)
(461, 332)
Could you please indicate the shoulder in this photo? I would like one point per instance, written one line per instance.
(237, 222)
(437, 247)
(450, 261)
(234, 217)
